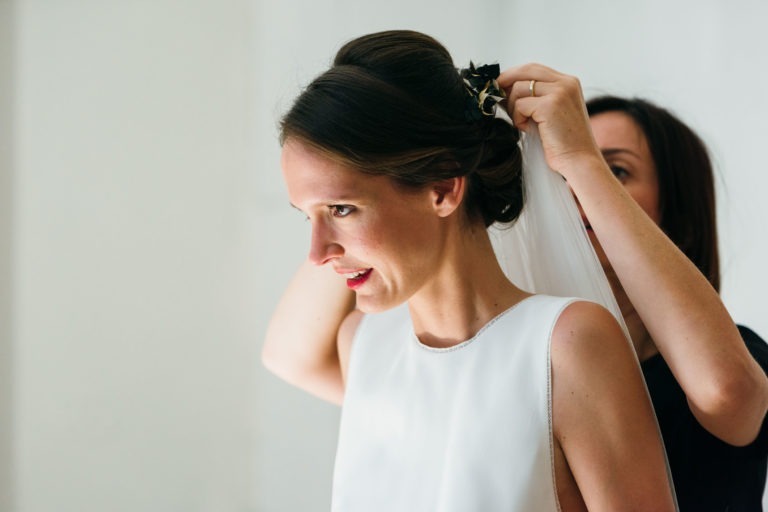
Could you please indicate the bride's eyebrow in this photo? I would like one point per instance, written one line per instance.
(326, 203)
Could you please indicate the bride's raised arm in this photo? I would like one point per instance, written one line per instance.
(301, 342)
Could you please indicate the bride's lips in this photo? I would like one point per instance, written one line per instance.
(356, 278)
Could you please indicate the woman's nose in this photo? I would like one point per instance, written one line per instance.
(323, 248)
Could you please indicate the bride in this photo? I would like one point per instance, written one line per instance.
(460, 389)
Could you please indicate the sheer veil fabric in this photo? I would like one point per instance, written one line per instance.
(547, 249)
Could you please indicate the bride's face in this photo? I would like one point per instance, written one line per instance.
(382, 240)
(626, 150)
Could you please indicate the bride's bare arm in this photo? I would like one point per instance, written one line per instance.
(603, 419)
(726, 389)
(302, 344)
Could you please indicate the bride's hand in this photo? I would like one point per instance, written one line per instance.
(557, 106)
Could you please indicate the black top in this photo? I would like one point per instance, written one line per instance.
(709, 474)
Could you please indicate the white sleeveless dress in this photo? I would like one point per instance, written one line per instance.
(461, 429)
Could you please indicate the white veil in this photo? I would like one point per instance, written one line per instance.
(547, 249)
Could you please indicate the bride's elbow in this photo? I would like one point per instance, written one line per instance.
(279, 359)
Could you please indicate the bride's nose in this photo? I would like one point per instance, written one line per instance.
(323, 248)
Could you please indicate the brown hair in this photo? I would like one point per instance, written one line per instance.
(393, 104)
(686, 179)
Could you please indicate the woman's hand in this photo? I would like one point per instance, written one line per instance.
(557, 106)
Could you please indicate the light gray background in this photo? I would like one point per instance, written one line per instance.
(145, 233)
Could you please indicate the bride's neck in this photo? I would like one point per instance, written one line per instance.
(468, 290)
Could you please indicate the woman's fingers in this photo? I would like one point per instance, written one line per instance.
(555, 102)
(522, 110)
(538, 82)
(528, 88)
(526, 72)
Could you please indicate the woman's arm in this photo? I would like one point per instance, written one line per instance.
(303, 344)
(726, 389)
(602, 417)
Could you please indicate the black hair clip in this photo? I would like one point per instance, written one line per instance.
(483, 90)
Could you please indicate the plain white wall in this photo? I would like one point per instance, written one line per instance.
(133, 250)
(6, 272)
(151, 235)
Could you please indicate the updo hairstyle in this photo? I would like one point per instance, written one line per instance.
(393, 104)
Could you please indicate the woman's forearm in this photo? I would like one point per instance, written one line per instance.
(690, 326)
(300, 342)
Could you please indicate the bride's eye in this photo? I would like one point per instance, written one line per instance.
(341, 210)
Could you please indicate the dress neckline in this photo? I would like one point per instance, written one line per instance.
(469, 341)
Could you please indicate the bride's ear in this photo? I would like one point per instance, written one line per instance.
(447, 195)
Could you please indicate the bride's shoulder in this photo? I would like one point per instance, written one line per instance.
(584, 335)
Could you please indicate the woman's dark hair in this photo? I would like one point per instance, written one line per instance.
(686, 179)
(394, 104)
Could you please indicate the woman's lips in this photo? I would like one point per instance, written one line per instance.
(357, 278)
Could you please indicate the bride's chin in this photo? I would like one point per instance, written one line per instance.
(371, 305)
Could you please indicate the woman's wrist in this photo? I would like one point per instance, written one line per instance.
(582, 168)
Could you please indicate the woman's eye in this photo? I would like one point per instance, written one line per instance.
(341, 210)
(620, 172)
